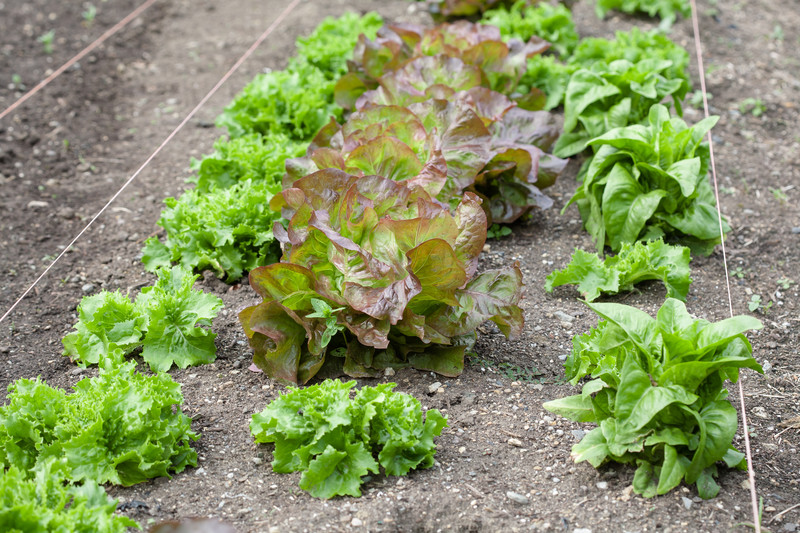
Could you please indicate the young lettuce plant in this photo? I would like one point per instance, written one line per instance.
(524, 20)
(48, 502)
(120, 427)
(335, 440)
(399, 265)
(646, 182)
(165, 322)
(633, 264)
(666, 10)
(603, 96)
(657, 395)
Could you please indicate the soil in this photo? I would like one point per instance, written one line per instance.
(70, 148)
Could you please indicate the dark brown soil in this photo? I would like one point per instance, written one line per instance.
(63, 154)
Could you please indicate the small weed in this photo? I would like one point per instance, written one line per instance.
(730, 191)
(497, 231)
(47, 41)
(754, 106)
(739, 272)
(755, 304)
(785, 283)
(696, 99)
(777, 33)
(760, 515)
(506, 369)
(779, 195)
(16, 79)
(89, 14)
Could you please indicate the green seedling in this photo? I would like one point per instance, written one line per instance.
(324, 311)
(497, 231)
(785, 283)
(47, 41)
(696, 99)
(755, 304)
(739, 272)
(754, 106)
(777, 33)
(89, 14)
(779, 195)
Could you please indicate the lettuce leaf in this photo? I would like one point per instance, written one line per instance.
(634, 263)
(523, 20)
(657, 394)
(120, 427)
(165, 321)
(650, 181)
(47, 502)
(395, 267)
(667, 10)
(335, 439)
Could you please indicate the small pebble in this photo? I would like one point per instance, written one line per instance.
(389, 372)
(87, 288)
(602, 485)
(561, 315)
(578, 433)
(433, 387)
(517, 497)
(686, 502)
(796, 230)
(356, 522)
(515, 442)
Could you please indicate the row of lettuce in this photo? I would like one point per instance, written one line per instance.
(372, 167)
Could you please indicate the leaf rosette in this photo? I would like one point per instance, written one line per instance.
(656, 393)
(395, 267)
(646, 182)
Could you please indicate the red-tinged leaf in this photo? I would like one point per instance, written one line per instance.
(520, 127)
(368, 330)
(439, 271)
(348, 89)
(472, 227)
(375, 121)
(387, 157)
(493, 295)
(328, 158)
(278, 342)
(382, 302)
(491, 106)
(279, 280)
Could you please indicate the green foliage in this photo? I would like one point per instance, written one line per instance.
(496, 231)
(298, 101)
(656, 392)
(165, 322)
(398, 267)
(756, 304)
(47, 41)
(754, 106)
(335, 440)
(546, 21)
(46, 502)
(666, 10)
(605, 96)
(635, 263)
(119, 427)
(646, 182)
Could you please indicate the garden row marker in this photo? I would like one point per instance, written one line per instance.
(200, 104)
(750, 472)
(111, 31)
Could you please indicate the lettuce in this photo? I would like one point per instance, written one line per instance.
(646, 182)
(120, 427)
(46, 502)
(335, 440)
(635, 263)
(522, 21)
(657, 394)
(164, 321)
(398, 268)
(603, 96)
(667, 10)
(298, 101)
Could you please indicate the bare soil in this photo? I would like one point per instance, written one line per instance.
(63, 154)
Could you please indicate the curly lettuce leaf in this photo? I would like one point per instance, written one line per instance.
(666, 10)
(48, 502)
(334, 439)
(165, 321)
(120, 427)
(523, 20)
(633, 264)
